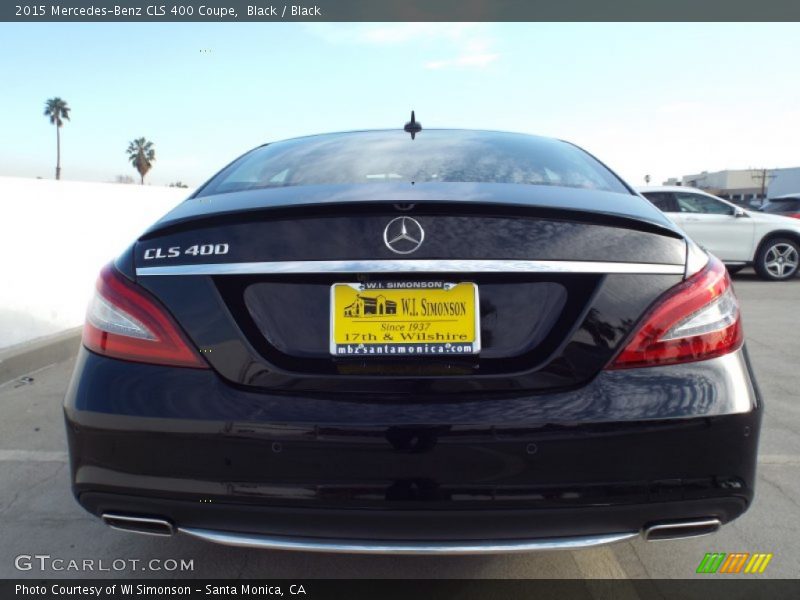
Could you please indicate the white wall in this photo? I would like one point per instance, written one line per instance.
(54, 238)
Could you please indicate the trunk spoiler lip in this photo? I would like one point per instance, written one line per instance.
(631, 209)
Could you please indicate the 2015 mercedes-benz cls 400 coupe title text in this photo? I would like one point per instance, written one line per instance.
(414, 341)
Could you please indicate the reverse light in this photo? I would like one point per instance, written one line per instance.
(123, 321)
(696, 320)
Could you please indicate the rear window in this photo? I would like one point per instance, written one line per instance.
(434, 156)
(782, 205)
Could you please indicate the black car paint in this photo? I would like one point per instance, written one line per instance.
(584, 339)
(278, 438)
(579, 340)
(453, 229)
(624, 209)
(624, 451)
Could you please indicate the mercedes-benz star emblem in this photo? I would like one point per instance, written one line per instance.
(403, 235)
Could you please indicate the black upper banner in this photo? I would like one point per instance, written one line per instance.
(397, 10)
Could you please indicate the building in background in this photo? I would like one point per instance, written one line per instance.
(784, 181)
(747, 187)
(743, 186)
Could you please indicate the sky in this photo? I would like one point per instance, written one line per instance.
(663, 100)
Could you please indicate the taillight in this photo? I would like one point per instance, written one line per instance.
(123, 321)
(696, 320)
(794, 215)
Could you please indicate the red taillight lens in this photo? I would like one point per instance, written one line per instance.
(123, 321)
(794, 215)
(696, 320)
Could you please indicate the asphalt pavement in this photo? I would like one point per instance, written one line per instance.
(38, 515)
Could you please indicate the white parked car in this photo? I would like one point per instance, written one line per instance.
(739, 237)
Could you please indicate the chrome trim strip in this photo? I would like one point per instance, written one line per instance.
(108, 519)
(413, 266)
(305, 544)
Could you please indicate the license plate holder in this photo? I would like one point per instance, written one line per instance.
(400, 319)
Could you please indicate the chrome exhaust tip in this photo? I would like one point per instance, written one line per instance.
(674, 530)
(143, 525)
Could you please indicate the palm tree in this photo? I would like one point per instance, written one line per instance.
(57, 109)
(141, 155)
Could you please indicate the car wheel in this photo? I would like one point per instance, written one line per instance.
(777, 259)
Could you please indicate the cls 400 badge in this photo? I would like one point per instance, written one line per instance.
(193, 250)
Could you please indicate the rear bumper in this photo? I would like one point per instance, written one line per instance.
(413, 531)
(509, 470)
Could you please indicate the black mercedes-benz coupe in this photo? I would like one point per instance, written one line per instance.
(414, 341)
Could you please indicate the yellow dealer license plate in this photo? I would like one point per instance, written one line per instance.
(404, 318)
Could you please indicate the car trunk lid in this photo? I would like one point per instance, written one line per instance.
(559, 289)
